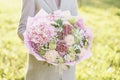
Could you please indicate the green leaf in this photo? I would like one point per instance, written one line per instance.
(59, 22)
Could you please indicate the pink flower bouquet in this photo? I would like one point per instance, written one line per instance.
(58, 37)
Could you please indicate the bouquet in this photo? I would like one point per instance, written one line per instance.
(58, 37)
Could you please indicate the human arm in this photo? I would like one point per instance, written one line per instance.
(28, 9)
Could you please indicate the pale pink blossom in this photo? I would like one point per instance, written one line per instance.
(51, 55)
(69, 39)
(80, 24)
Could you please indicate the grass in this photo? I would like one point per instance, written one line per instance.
(103, 16)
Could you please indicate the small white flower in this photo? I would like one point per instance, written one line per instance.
(67, 58)
(69, 39)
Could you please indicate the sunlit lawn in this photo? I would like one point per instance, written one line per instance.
(103, 16)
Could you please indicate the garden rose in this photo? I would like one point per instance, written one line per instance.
(69, 39)
(67, 29)
(61, 48)
(51, 55)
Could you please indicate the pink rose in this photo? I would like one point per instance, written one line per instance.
(51, 55)
(61, 48)
(67, 29)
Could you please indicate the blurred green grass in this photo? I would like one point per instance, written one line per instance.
(103, 16)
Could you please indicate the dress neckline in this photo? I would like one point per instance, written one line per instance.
(57, 3)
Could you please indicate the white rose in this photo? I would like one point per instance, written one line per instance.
(51, 55)
(69, 39)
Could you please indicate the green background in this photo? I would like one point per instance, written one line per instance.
(102, 16)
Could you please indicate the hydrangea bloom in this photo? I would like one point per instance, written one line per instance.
(41, 33)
